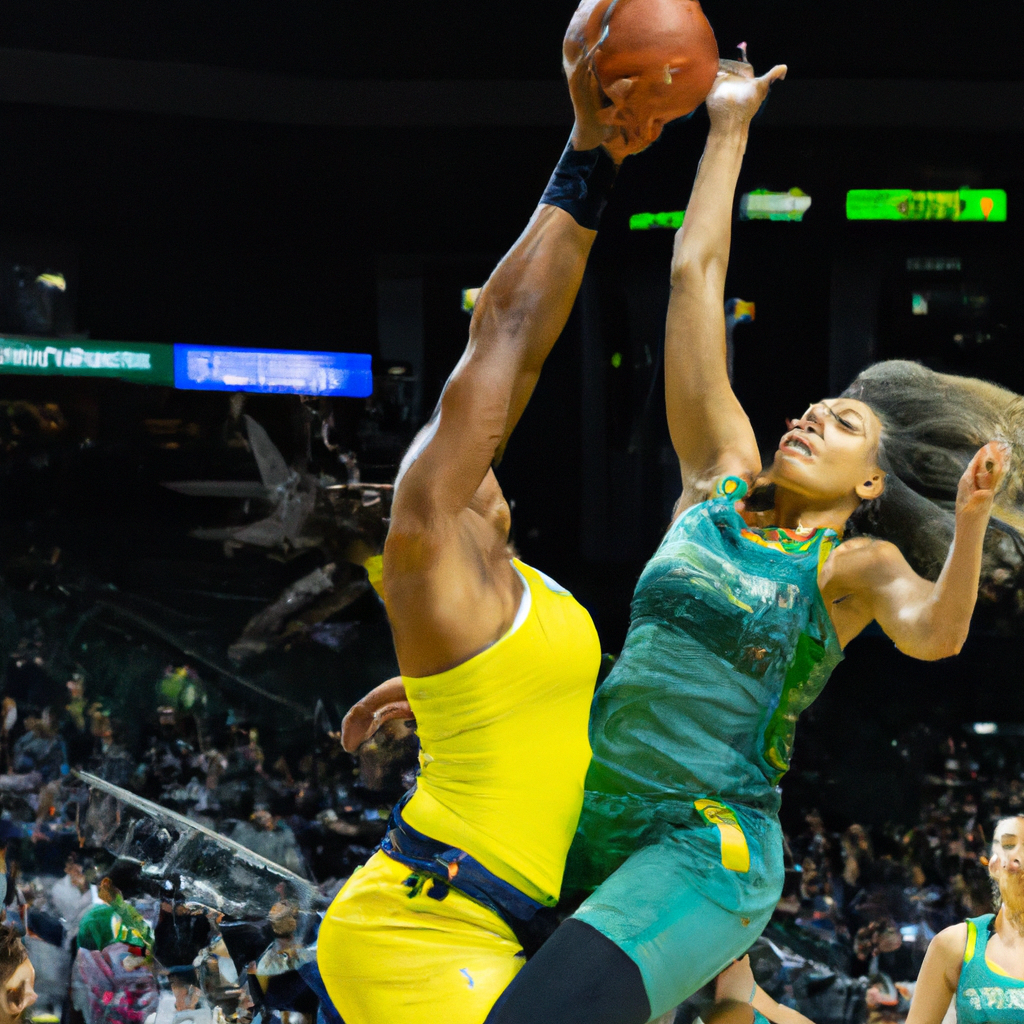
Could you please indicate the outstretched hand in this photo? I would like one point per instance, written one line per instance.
(585, 92)
(736, 982)
(588, 98)
(737, 94)
(981, 479)
(380, 705)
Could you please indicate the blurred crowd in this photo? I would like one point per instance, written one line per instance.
(866, 902)
(113, 942)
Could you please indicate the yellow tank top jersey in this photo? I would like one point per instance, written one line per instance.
(504, 749)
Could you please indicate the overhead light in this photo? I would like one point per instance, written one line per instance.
(933, 264)
(986, 728)
(53, 281)
(649, 221)
(764, 205)
(966, 204)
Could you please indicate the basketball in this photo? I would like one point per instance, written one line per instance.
(655, 60)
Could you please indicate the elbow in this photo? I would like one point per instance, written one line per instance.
(948, 645)
(695, 269)
(951, 636)
(950, 650)
(955, 645)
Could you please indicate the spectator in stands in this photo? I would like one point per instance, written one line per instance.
(17, 977)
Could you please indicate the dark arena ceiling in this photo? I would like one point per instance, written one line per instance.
(505, 40)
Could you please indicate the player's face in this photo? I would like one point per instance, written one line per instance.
(1006, 865)
(830, 453)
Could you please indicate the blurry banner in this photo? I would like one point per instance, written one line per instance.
(966, 204)
(193, 367)
(146, 364)
(764, 205)
(648, 221)
(273, 371)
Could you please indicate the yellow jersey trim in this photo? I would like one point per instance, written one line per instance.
(735, 852)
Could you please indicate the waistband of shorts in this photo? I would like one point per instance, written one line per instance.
(455, 868)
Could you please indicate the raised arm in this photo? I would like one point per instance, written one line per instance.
(519, 315)
(448, 583)
(925, 620)
(710, 431)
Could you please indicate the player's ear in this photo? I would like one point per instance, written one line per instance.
(872, 486)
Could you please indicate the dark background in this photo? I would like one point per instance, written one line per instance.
(359, 235)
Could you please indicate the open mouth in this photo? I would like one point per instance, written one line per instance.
(797, 445)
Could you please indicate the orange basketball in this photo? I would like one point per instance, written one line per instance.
(656, 60)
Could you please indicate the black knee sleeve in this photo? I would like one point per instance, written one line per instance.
(578, 977)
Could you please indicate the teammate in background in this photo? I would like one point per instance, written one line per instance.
(980, 962)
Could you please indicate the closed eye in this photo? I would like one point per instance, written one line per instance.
(846, 424)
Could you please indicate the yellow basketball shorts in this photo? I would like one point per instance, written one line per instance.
(393, 954)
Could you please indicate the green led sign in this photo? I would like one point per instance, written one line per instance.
(145, 364)
(966, 204)
(764, 205)
(647, 221)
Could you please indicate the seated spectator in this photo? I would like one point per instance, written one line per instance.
(114, 921)
(40, 750)
(266, 834)
(17, 977)
(71, 898)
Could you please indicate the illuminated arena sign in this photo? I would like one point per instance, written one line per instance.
(146, 364)
(272, 371)
(966, 204)
(193, 367)
(764, 205)
(648, 221)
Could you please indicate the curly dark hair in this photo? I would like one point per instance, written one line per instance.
(932, 426)
(12, 952)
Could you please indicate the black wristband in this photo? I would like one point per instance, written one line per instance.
(581, 183)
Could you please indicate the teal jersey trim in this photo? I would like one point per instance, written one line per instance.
(984, 996)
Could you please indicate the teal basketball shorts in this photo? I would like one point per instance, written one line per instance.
(685, 906)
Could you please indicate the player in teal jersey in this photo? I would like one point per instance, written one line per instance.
(980, 962)
(737, 621)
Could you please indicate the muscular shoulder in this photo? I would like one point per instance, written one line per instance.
(952, 941)
(948, 948)
(863, 562)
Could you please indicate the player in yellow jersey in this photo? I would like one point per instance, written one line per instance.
(498, 662)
